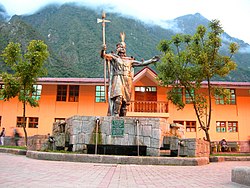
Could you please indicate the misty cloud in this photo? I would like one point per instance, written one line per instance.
(154, 11)
(245, 49)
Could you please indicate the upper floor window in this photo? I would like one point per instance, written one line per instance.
(99, 94)
(33, 122)
(180, 93)
(36, 94)
(61, 93)
(190, 126)
(1, 87)
(232, 126)
(220, 126)
(232, 99)
(188, 97)
(220, 99)
(146, 89)
(73, 93)
(67, 93)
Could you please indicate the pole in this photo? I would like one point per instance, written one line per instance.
(103, 21)
(105, 64)
(138, 144)
(96, 134)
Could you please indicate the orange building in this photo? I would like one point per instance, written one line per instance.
(60, 98)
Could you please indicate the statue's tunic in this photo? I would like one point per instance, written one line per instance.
(122, 78)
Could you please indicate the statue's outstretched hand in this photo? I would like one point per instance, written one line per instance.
(155, 58)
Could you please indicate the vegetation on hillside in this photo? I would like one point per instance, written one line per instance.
(74, 39)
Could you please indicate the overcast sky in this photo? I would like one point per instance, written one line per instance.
(233, 14)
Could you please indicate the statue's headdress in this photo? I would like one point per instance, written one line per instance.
(121, 46)
(122, 35)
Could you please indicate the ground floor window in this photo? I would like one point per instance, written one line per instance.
(220, 126)
(232, 126)
(190, 126)
(20, 121)
(59, 119)
(179, 122)
(33, 122)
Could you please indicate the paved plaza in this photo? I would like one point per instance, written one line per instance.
(20, 171)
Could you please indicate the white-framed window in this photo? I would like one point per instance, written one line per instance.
(99, 94)
(36, 94)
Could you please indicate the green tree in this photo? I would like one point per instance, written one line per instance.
(187, 61)
(25, 69)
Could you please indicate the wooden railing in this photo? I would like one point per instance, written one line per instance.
(148, 106)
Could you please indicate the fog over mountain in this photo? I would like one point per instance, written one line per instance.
(3, 14)
(233, 14)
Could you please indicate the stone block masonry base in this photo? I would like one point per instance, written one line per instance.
(241, 175)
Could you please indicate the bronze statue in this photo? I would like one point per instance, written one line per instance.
(121, 77)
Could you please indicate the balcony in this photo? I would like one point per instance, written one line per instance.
(148, 109)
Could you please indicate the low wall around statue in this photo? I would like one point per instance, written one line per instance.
(193, 147)
(117, 131)
(35, 143)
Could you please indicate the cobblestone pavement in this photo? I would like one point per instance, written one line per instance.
(20, 171)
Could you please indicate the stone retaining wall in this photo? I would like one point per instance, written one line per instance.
(13, 151)
(244, 146)
(111, 159)
(36, 142)
(228, 158)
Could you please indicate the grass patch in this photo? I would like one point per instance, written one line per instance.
(14, 147)
(230, 154)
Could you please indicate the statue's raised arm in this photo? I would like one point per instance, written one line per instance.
(147, 62)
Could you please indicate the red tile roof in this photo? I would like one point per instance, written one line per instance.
(82, 81)
(87, 81)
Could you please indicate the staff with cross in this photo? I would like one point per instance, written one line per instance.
(103, 21)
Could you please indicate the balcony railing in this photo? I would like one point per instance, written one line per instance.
(148, 106)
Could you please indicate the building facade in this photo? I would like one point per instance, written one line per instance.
(61, 98)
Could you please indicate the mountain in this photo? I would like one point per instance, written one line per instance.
(187, 24)
(75, 39)
(74, 35)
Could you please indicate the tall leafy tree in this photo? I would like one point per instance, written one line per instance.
(25, 69)
(190, 60)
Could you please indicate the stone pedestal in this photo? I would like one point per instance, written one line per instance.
(117, 131)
